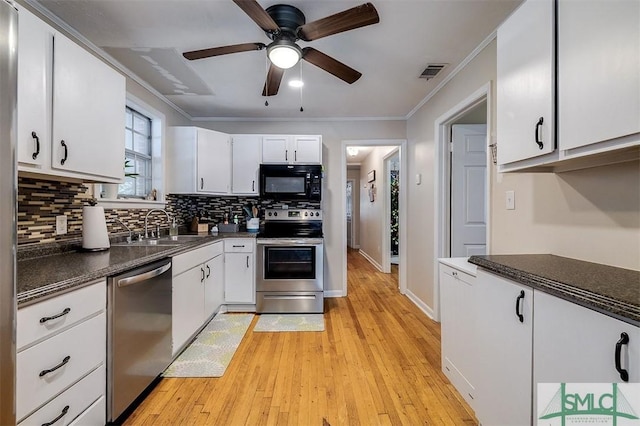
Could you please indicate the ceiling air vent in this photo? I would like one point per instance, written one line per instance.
(431, 71)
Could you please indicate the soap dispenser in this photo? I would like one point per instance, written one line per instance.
(173, 229)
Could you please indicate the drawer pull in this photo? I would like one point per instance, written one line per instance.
(624, 340)
(62, 414)
(51, 370)
(238, 246)
(518, 313)
(61, 314)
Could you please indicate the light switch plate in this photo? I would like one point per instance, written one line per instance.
(511, 200)
(61, 225)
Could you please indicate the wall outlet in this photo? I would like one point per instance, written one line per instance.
(511, 200)
(61, 225)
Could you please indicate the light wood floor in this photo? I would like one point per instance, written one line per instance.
(377, 362)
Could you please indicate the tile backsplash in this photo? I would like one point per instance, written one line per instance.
(40, 201)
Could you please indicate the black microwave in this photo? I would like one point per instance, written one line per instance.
(291, 182)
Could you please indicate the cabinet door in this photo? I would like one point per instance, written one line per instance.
(239, 278)
(503, 357)
(525, 82)
(88, 113)
(275, 149)
(187, 305)
(213, 162)
(35, 44)
(458, 313)
(213, 286)
(575, 344)
(307, 149)
(598, 71)
(246, 155)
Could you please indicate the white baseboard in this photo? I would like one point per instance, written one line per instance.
(420, 304)
(370, 259)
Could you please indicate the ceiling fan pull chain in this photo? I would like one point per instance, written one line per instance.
(301, 86)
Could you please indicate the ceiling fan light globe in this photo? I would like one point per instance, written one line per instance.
(284, 55)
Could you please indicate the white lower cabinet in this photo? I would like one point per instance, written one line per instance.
(239, 275)
(503, 359)
(64, 363)
(197, 291)
(459, 344)
(573, 344)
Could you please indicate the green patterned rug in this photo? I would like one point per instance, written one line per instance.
(290, 322)
(211, 352)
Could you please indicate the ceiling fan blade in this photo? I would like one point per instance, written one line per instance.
(258, 14)
(222, 50)
(330, 65)
(350, 19)
(272, 84)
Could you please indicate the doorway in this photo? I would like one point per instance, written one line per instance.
(374, 187)
(447, 197)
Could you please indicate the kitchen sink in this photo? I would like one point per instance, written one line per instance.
(165, 241)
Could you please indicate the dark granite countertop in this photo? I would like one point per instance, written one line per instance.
(43, 272)
(607, 289)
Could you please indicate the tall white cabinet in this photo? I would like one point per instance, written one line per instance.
(64, 88)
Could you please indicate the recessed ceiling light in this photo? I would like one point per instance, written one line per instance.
(296, 83)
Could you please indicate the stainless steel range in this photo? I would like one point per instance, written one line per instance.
(290, 262)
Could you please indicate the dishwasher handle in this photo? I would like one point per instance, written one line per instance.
(123, 282)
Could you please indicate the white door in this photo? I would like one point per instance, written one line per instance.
(247, 155)
(468, 192)
(308, 149)
(214, 162)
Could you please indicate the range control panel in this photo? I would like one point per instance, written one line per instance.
(296, 215)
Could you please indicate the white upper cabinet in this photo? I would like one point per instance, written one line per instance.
(34, 92)
(597, 75)
(246, 152)
(598, 72)
(88, 113)
(525, 83)
(292, 149)
(63, 87)
(198, 161)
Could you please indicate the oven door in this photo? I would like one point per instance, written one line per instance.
(290, 265)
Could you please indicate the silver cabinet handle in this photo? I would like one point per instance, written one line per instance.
(290, 297)
(123, 282)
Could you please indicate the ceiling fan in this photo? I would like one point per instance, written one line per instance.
(285, 25)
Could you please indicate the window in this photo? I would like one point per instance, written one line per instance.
(138, 156)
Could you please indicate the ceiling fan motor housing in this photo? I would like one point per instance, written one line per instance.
(288, 18)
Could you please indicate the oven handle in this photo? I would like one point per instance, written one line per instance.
(289, 242)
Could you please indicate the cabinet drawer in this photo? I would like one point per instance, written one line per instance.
(188, 260)
(233, 245)
(94, 415)
(456, 273)
(33, 322)
(84, 344)
(81, 399)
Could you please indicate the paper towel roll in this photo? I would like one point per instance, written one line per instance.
(94, 229)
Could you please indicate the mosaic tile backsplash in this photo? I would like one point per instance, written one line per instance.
(40, 201)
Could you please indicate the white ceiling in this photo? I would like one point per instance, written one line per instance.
(148, 37)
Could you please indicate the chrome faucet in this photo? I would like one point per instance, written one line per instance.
(129, 239)
(146, 219)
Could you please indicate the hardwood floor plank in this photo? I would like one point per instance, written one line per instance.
(376, 363)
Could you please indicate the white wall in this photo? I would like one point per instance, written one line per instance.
(333, 133)
(372, 224)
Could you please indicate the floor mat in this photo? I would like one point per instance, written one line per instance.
(211, 352)
(290, 322)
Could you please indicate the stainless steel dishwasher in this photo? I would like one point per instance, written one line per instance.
(139, 332)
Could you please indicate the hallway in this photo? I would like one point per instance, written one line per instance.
(377, 362)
